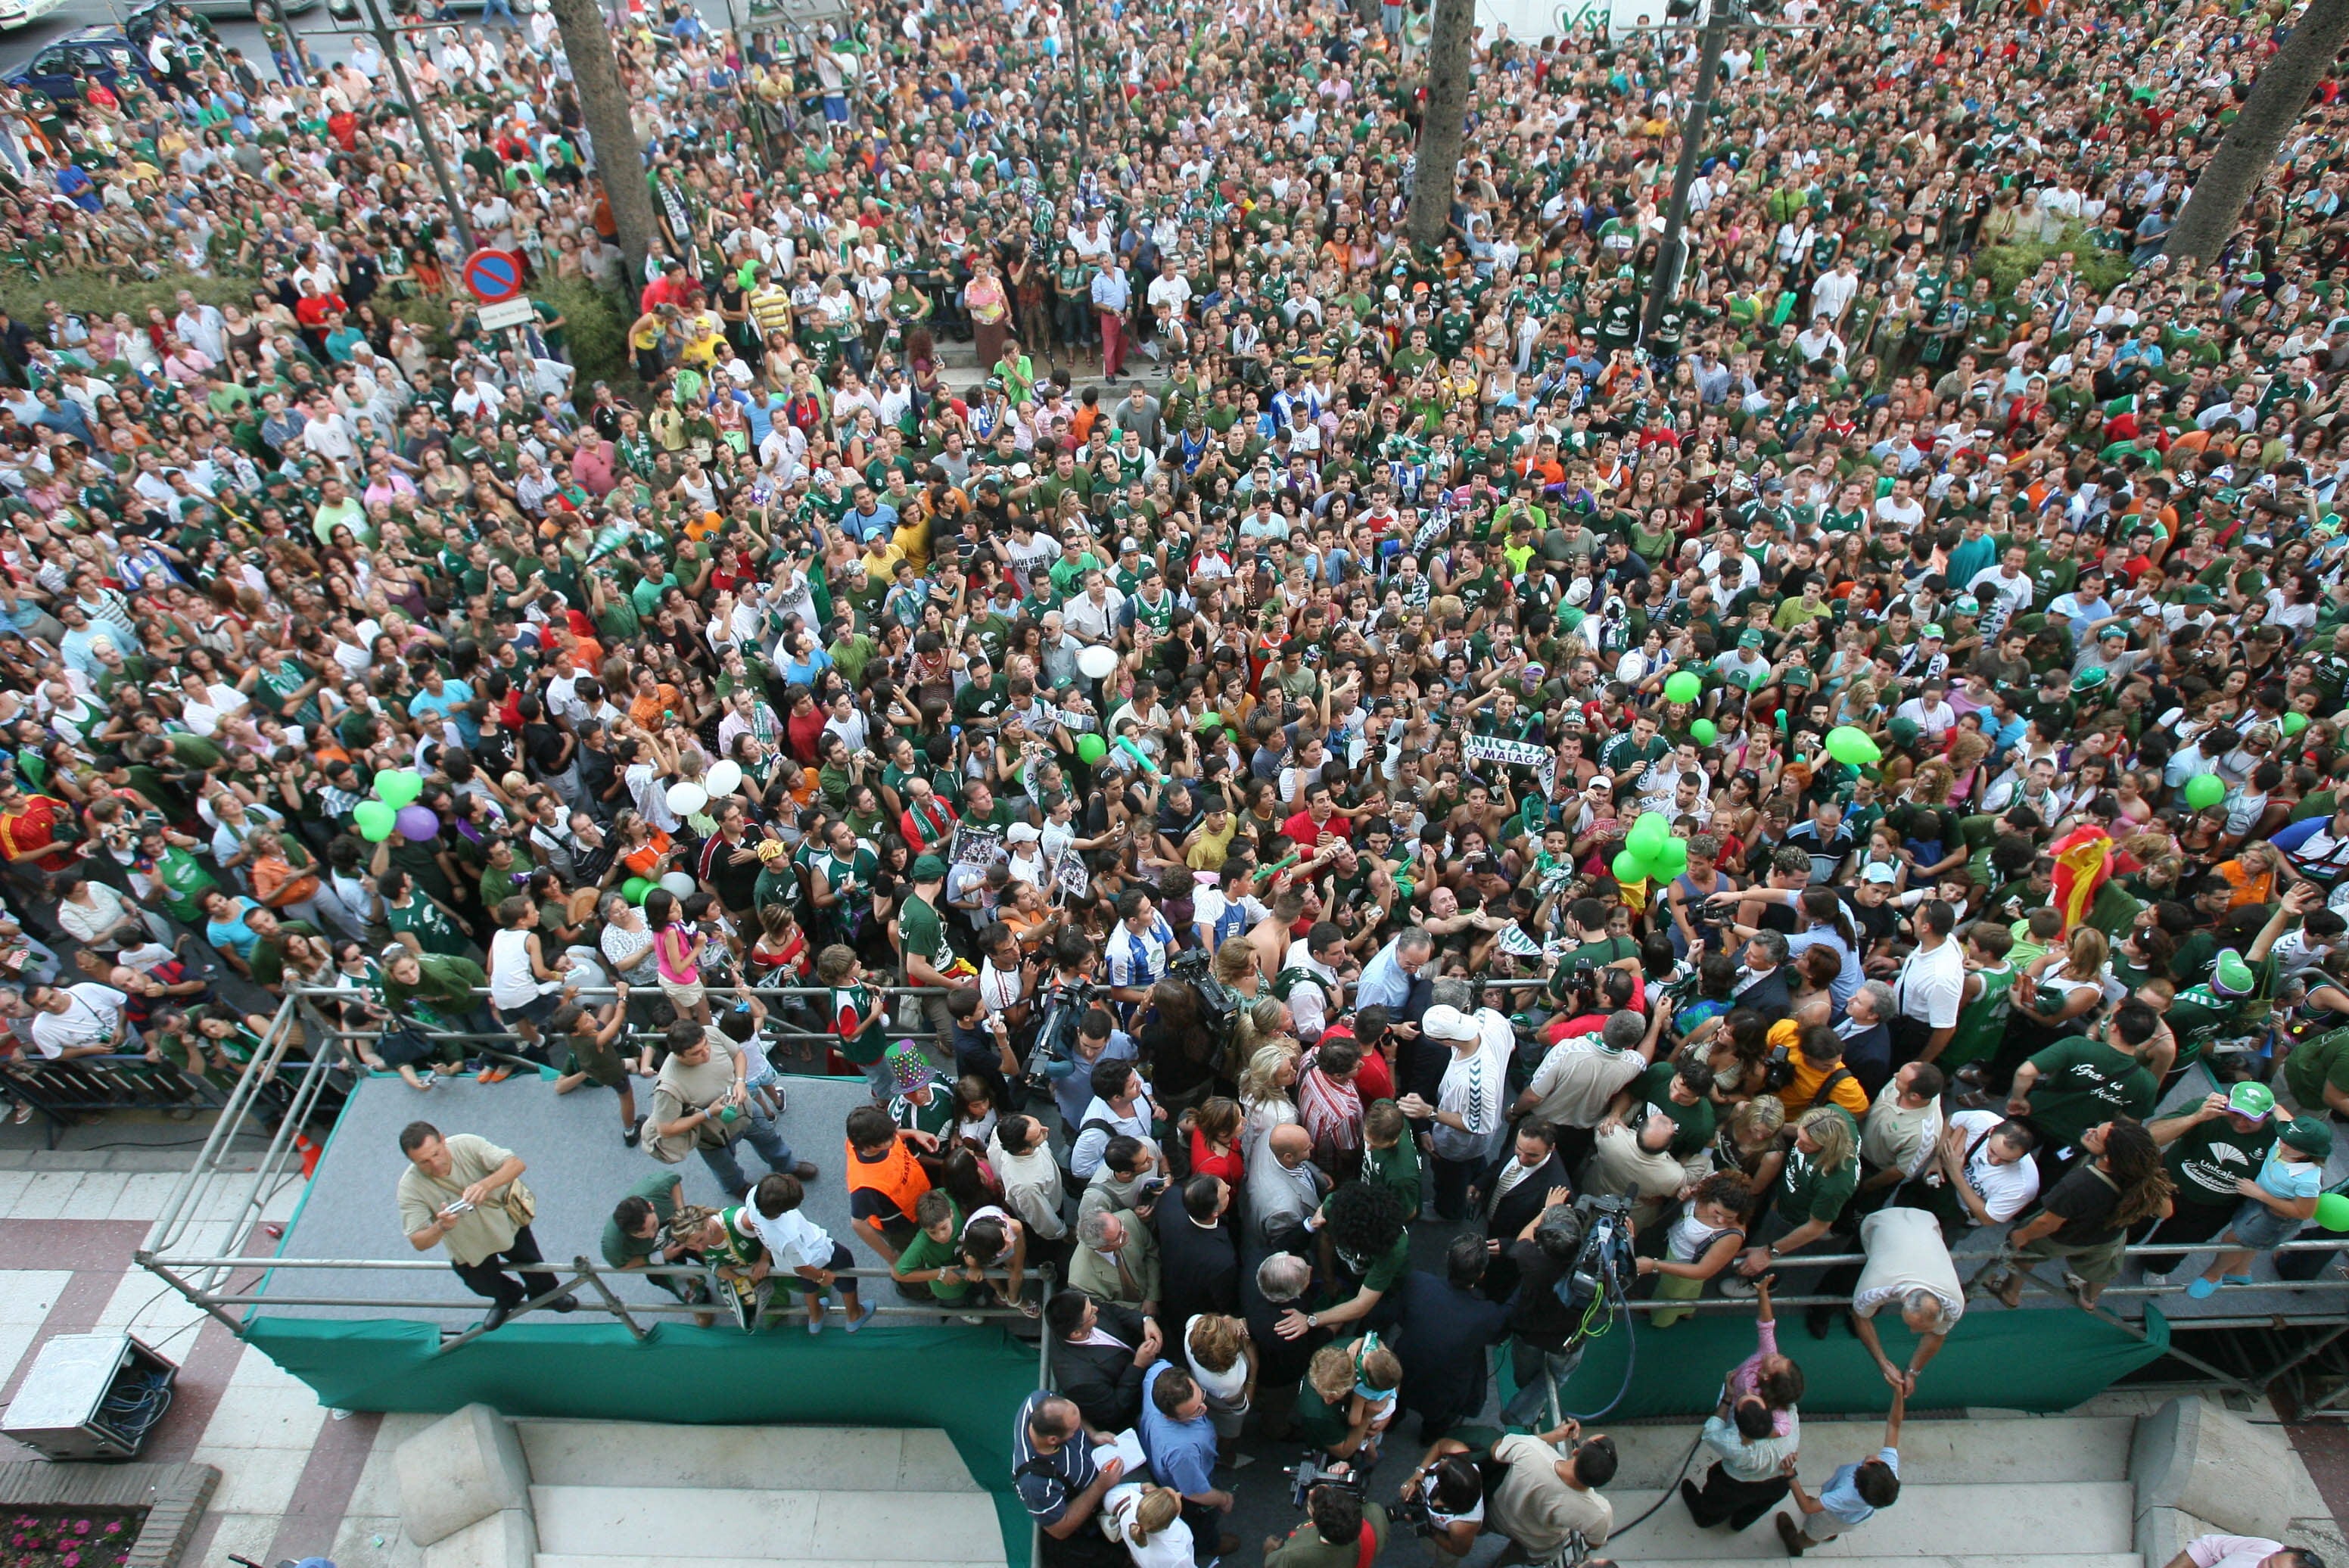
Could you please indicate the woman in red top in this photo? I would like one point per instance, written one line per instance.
(1214, 1130)
(28, 835)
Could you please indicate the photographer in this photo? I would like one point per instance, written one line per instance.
(1545, 1498)
(1443, 1500)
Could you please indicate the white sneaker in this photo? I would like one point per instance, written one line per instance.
(1737, 1287)
(2157, 1278)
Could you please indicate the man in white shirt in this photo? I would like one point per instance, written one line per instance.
(79, 1020)
(1932, 985)
(1307, 980)
(1468, 1111)
(1092, 617)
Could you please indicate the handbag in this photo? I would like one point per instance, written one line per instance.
(520, 1203)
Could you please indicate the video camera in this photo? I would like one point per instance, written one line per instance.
(1317, 1469)
(1219, 1006)
(1064, 1004)
(1604, 1268)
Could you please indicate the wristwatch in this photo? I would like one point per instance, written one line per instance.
(1312, 1320)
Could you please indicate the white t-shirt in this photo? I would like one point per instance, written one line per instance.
(89, 1019)
(1170, 1548)
(2005, 1189)
(1225, 1385)
(2231, 1551)
(1932, 986)
(792, 1240)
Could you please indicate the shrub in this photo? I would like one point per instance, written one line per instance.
(2007, 266)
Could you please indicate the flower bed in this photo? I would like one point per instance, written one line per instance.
(70, 1537)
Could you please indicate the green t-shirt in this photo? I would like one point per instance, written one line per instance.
(1396, 1170)
(923, 933)
(1808, 1191)
(923, 1253)
(2206, 1162)
(2323, 1063)
(620, 1249)
(2083, 1082)
(1695, 1122)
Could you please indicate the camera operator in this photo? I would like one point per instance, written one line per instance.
(1443, 1500)
(1545, 1332)
(1547, 1496)
(1341, 1530)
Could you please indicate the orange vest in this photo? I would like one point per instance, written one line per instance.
(900, 1178)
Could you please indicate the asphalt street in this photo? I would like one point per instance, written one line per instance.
(238, 33)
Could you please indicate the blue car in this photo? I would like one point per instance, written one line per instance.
(102, 54)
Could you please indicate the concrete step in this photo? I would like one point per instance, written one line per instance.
(729, 1525)
(2080, 1523)
(1999, 1451)
(814, 1459)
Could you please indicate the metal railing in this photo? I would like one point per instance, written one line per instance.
(82, 1086)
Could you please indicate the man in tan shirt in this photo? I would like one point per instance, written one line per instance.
(454, 1194)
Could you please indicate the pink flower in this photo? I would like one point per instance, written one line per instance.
(72, 1560)
(81, 1526)
(114, 1528)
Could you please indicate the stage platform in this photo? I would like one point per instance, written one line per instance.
(578, 1168)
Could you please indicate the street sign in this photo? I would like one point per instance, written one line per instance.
(504, 312)
(492, 275)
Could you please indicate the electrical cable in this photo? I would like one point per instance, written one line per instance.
(1671, 1486)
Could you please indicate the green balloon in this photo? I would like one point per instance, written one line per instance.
(1673, 860)
(1683, 686)
(1649, 835)
(634, 889)
(2332, 1211)
(375, 821)
(2205, 790)
(399, 789)
(1849, 744)
(1091, 748)
(1704, 732)
(1629, 868)
(2294, 723)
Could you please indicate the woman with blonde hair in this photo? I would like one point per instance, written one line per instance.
(1265, 1084)
(1814, 1177)
(1147, 1521)
(2057, 996)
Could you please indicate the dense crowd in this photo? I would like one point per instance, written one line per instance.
(1331, 733)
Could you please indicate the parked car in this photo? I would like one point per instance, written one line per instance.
(14, 13)
(401, 11)
(102, 54)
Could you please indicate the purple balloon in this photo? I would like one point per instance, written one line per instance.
(418, 822)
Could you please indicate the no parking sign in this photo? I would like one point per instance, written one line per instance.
(492, 275)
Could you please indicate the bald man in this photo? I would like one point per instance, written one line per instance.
(1283, 1188)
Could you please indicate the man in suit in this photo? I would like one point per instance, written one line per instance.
(1447, 1326)
(1763, 984)
(1100, 1351)
(1512, 1195)
(1283, 1188)
(1198, 1265)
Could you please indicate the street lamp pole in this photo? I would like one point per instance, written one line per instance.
(1671, 260)
(389, 42)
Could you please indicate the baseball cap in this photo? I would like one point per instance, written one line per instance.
(2253, 1100)
(1930, 629)
(1020, 833)
(2304, 1133)
(2231, 974)
(929, 868)
(1447, 1023)
(1879, 873)
(1749, 638)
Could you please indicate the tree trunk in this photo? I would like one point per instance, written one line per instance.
(2232, 176)
(619, 161)
(1444, 124)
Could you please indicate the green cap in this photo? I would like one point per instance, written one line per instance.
(2090, 678)
(2231, 975)
(1904, 731)
(2307, 1135)
(929, 868)
(1749, 638)
(2250, 1100)
(1930, 629)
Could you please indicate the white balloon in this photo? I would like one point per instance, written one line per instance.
(1095, 664)
(680, 883)
(723, 778)
(685, 796)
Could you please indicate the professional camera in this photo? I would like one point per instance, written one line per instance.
(1064, 1004)
(1317, 1469)
(1219, 1006)
(1604, 1269)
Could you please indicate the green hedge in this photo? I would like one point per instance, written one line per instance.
(2007, 266)
(595, 330)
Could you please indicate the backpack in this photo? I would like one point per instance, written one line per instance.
(1072, 1183)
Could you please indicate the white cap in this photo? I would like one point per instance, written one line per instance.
(1021, 834)
(1448, 1024)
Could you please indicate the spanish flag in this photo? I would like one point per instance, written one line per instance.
(2082, 862)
